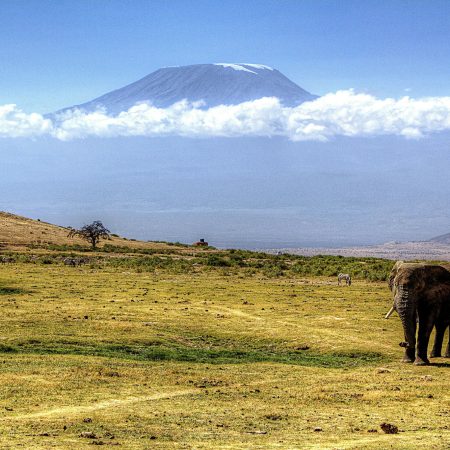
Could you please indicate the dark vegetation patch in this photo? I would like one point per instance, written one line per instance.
(4, 290)
(109, 248)
(151, 263)
(4, 348)
(217, 355)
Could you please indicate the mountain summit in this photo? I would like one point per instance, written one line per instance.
(214, 84)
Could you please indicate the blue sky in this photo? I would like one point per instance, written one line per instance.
(58, 53)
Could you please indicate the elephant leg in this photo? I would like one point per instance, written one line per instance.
(410, 337)
(405, 305)
(410, 327)
(427, 318)
(410, 354)
(447, 351)
(437, 347)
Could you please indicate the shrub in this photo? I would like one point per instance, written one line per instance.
(217, 261)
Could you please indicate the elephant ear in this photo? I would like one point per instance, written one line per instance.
(430, 275)
(421, 278)
(442, 274)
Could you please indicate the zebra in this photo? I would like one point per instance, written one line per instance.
(74, 261)
(344, 277)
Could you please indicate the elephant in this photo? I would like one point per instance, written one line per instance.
(440, 328)
(421, 295)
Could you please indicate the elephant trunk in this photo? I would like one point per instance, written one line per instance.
(405, 306)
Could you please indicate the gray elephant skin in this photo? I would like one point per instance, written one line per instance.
(421, 297)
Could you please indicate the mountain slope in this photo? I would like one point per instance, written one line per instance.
(214, 84)
(442, 239)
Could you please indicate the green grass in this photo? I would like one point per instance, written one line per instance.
(156, 352)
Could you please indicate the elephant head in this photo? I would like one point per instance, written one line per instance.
(392, 276)
(421, 294)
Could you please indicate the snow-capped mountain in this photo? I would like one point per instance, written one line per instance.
(214, 84)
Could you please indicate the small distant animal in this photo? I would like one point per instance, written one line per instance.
(344, 277)
(6, 259)
(74, 261)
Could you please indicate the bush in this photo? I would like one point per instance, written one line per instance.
(372, 269)
(272, 271)
(217, 261)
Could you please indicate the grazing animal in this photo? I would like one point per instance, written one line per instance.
(70, 262)
(440, 327)
(74, 261)
(344, 277)
(421, 296)
(6, 259)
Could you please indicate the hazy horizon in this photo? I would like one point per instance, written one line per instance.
(241, 192)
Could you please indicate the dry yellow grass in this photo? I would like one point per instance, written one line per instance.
(17, 232)
(156, 360)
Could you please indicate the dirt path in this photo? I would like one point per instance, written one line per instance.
(78, 409)
(66, 410)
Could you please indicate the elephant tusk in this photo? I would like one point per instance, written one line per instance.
(389, 314)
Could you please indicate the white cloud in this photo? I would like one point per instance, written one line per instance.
(16, 123)
(344, 113)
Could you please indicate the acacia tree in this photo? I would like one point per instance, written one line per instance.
(91, 233)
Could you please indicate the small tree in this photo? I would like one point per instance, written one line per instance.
(91, 233)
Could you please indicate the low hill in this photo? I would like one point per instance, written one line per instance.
(17, 231)
(442, 239)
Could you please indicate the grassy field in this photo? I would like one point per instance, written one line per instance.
(208, 354)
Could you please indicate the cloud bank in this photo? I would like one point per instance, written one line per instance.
(16, 123)
(343, 113)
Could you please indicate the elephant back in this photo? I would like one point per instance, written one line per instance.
(419, 275)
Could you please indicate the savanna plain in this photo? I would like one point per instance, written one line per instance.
(151, 345)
